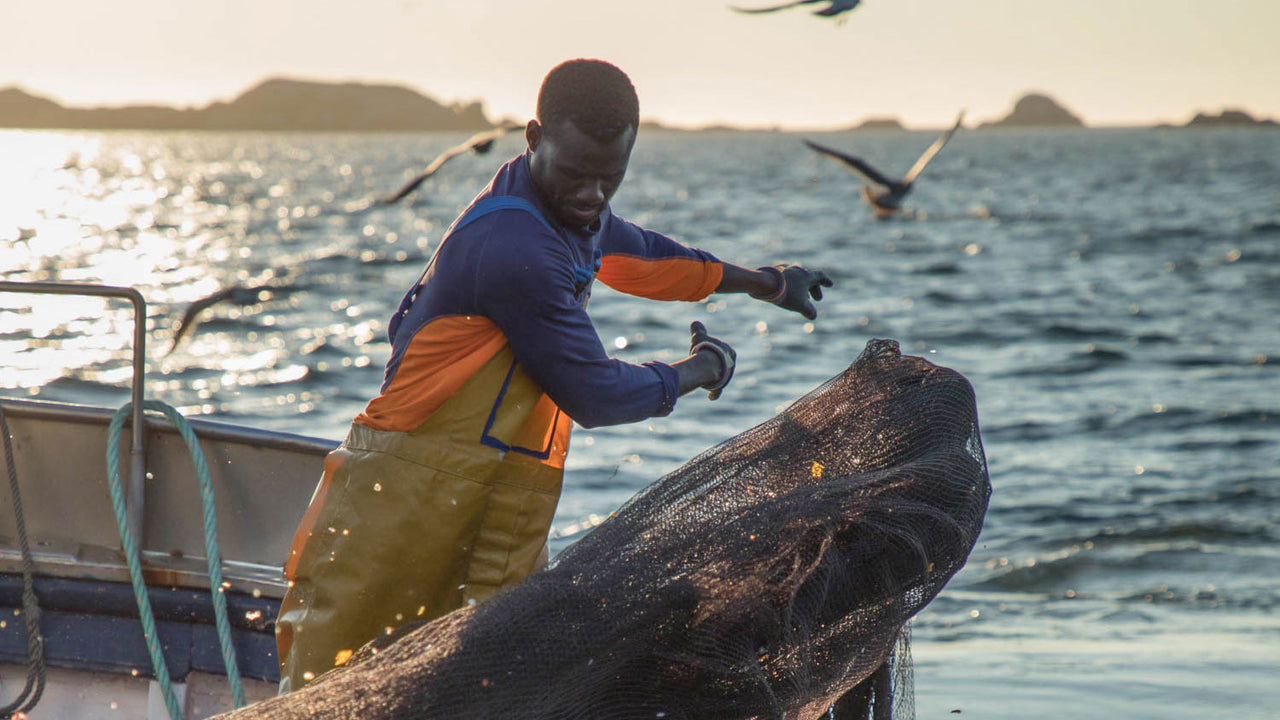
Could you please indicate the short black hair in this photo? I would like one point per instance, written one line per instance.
(595, 95)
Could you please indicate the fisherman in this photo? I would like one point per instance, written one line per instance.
(444, 490)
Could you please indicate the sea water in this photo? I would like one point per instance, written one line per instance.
(1112, 295)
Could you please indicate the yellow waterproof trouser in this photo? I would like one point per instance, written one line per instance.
(411, 526)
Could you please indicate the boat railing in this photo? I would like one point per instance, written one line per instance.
(134, 489)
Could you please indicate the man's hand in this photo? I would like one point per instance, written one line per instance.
(796, 286)
(700, 342)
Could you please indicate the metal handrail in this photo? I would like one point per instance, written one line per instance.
(137, 456)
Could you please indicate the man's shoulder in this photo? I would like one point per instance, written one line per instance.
(505, 237)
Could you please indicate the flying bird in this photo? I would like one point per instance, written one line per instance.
(834, 7)
(480, 143)
(881, 193)
(236, 295)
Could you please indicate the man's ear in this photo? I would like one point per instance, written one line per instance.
(533, 135)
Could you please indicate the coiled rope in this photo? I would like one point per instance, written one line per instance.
(135, 564)
(34, 687)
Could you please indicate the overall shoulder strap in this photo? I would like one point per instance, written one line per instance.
(488, 205)
(495, 203)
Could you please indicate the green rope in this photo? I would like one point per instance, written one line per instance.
(135, 564)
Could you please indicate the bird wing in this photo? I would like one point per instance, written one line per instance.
(435, 165)
(192, 314)
(479, 142)
(854, 163)
(242, 295)
(482, 142)
(837, 7)
(932, 150)
(772, 8)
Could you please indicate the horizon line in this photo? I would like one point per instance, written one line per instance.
(694, 126)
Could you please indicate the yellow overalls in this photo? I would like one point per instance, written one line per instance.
(456, 519)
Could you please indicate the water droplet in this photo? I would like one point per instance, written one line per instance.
(377, 487)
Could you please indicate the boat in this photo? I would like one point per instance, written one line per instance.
(66, 540)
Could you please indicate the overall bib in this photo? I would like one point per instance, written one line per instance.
(409, 526)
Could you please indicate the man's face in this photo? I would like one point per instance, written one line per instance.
(575, 174)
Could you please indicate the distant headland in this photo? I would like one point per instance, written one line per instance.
(288, 104)
(274, 104)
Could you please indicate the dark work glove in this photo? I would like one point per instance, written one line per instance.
(700, 341)
(795, 286)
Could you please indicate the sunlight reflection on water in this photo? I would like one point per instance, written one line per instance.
(1079, 280)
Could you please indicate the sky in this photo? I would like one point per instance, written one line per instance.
(693, 62)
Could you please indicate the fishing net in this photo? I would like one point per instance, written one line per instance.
(769, 577)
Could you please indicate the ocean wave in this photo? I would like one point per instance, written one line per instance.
(1162, 235)
(1024, 431)
(1264, 227)
(1090, 360)
(966, 336)
(1101, 567)
(1207, 597)
(1066, 331)
(1179, 419)
(1203, 531)
(1228, 443)
(938, 269)
(1215, 360)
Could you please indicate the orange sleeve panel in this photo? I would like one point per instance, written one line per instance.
(673, 278)
(439, 359)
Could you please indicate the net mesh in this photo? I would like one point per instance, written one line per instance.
(770, 577)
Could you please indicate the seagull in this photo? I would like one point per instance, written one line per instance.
(886, 196)
(480, 143)
(834, 8)
(241, 295)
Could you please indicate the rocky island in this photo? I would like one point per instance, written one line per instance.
(1036, 110)
(1230, 118)
(879, 123)
(274, 104)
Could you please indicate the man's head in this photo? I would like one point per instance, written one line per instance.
(581, 141)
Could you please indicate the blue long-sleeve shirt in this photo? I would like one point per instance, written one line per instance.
(515, 275)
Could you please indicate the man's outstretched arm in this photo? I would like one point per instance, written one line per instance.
(790, 287)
